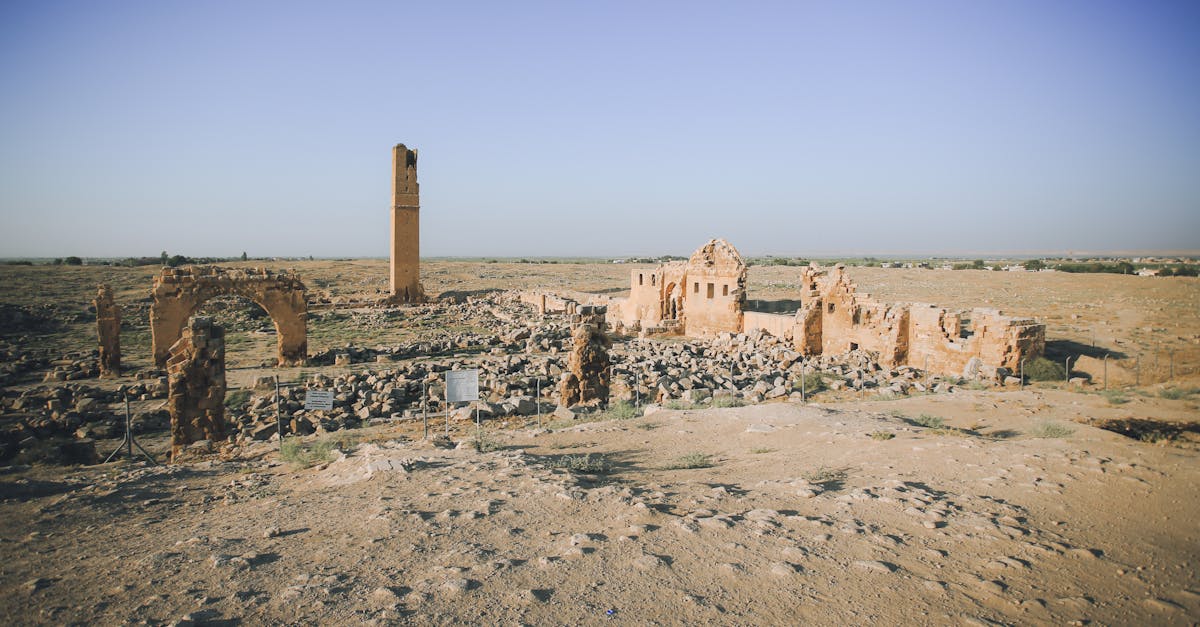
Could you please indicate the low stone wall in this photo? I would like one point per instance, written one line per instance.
(778, 325)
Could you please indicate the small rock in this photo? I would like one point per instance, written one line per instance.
(876, 566)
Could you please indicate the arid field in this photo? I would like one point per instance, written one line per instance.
(1055, 503)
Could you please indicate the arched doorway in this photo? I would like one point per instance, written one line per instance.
(179, 292)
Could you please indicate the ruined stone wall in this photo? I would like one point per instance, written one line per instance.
(644, 305)
(853, 321)
(655, 296)
(714, 290)
(405, 279)
(108, 329)
(179, 292)
(196, 385)
(834, 318)
(586, 379)
(778, 325)
(938, 338)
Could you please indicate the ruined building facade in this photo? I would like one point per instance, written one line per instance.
(707, 295)
(701, 297)
(406, 227)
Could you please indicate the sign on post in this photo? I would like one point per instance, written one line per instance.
(319, 399)
(462, 385)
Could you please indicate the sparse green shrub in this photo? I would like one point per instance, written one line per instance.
(692, 460)
(825, 474)
(307, 453)
(73, 261)
(728, 401)
(483, 443)
(1115, 397)
(678, 404)
(1177, 394)
(621, 410)
(1155, 436)
(930, 421)
(1050, 429)
(760, 450)
(812, 382)
(1042, 369)
(881, 435)
(590, 463)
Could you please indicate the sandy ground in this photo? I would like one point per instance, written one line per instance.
(806, 515)
(803, 514)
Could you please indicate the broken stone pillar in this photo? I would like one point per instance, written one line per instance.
(196, 380)
(108, 328)
(587, 376)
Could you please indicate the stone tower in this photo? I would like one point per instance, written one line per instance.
(406, 232)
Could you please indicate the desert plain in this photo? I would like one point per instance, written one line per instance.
(1057, 502)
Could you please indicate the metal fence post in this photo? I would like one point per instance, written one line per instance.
(278, 414)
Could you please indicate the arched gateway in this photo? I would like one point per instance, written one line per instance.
(179, 292)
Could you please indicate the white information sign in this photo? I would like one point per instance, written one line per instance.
(462, 385)
(319, 399)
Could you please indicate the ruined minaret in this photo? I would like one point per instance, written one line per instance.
(406, 233)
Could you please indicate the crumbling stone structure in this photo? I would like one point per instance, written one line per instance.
(587, 377)
(108, 329)
(406, 231)
(707, 296)
(196, 385)
(700, 298)
(179, 292)
(835, 318)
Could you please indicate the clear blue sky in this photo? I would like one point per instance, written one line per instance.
(599, 128)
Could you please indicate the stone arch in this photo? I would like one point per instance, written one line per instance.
(672, 301)
(179, 292)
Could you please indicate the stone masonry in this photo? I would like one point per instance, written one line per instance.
(406, 228)
(196, 385)
(108, 329)
(707, 296)
(835, 318)
(179, 292)
(586, 379)
(700, 298)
